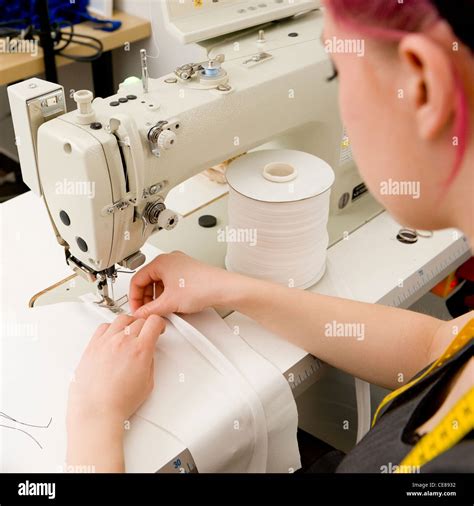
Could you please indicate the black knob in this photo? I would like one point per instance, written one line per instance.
(207, 221)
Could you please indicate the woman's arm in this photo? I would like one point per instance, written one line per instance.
(114, 377)
(95, 445)
(383, 345)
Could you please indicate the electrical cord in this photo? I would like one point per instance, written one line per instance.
(62, 38)
(93, 43)
(68, 37)
(7, 30)
(58, 36)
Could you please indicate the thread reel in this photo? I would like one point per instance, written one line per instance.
(278, 214)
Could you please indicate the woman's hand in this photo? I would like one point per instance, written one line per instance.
(176, 283)
(114, 377)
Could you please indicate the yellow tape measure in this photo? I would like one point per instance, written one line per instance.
(452, 428)
(464, 336)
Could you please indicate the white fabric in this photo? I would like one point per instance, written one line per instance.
(236, 383)
(202, 400)
(270, 384)
(39, 355)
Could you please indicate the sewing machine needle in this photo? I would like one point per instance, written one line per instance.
(110, 284)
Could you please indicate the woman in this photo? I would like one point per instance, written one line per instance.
(408, 106)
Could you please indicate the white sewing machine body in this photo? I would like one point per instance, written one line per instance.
(105, 173)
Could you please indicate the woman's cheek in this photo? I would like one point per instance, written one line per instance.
(357, 123)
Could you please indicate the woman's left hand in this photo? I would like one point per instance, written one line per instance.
(114, 377)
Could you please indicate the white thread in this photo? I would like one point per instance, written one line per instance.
(155, 42)
(284, 240)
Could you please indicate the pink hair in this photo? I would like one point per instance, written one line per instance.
(390, 20)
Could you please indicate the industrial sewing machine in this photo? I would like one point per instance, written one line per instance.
(105, 169)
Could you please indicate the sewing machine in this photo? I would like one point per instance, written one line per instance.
(106, 170)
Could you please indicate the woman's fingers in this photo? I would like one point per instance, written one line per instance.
(160, 306)
(141, 281)
(130, 326)
(152, 292)
(153, 327)
(133, 329)
(101, 329)
(119, 324)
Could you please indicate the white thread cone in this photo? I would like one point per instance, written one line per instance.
(278, 216)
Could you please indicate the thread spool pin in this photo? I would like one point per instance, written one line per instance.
(85, 113)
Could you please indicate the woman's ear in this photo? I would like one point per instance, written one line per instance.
(429, 83)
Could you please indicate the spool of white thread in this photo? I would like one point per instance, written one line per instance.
(278, 213)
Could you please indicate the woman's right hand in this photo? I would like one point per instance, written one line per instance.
(176, 283)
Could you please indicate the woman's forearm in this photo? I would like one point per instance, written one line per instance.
(380, 344)
(95, 446)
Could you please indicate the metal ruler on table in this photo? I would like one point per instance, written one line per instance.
(303, 374)
(408, 290)
(181, 464)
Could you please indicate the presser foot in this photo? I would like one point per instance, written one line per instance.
(105, 289)
(115, 306)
